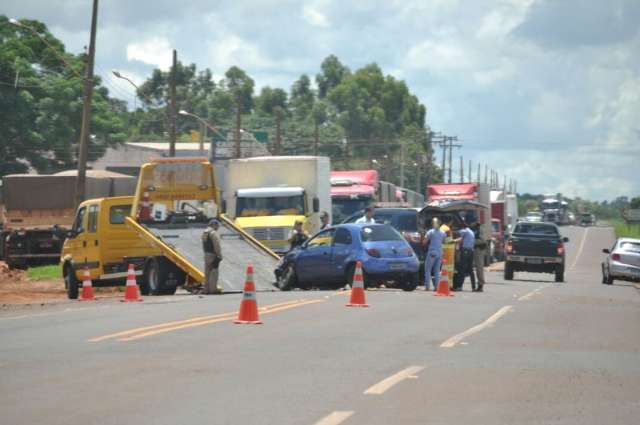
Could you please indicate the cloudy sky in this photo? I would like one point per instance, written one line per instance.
(545, 91)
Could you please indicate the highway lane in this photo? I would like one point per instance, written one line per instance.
(562, 353)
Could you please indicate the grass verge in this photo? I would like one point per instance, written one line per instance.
(624, 231)
(44, 272)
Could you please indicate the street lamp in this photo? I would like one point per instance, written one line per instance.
(205, 125)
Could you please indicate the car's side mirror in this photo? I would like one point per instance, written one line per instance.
(565, 239)
(316, 205)
(606, 251)
(71, 234)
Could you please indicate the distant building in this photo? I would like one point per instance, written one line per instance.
(128, 157)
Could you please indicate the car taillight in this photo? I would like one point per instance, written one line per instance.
(615, 257)
(560, 248)
(412, 236)
(373, 252)
(509, 246)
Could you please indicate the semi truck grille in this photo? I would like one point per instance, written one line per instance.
(270, 233)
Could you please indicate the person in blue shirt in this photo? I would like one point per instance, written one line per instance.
(433, 241)
(467, 241)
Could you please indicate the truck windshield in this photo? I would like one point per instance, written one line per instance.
(343, 208)
(273, 205)
(534, 228)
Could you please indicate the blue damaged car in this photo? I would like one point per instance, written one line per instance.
(328, 259)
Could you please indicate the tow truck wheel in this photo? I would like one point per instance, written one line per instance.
(72, 285)
(153, 276)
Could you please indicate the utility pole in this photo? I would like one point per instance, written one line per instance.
(238, 124)
(478, 172)
(402, 163)
(83, 149)
(461, 169)
(172, 108)
(470, 178)
(486, 173)
(278, 131)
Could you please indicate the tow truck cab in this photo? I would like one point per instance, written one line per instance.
(100, 241)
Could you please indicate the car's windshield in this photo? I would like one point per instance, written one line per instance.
(538, 229)
(343, 208)
(275, 205)
(379, 233)
(402, 221)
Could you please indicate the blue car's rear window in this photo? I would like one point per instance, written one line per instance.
(379, 233)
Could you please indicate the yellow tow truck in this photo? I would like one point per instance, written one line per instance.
(158, 230)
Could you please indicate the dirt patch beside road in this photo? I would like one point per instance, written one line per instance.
(16, 288)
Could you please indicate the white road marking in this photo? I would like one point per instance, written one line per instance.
(454, 340)
(584, 238)
(531, 294)
(335, 418)
(389, 382)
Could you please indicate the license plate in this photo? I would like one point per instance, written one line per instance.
(397, 266)
(534, 260)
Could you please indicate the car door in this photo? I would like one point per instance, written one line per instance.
(314, 259)
(91, 243)
(342, 249)
(77, 239)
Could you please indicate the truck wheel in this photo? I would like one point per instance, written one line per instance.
(71, 283)
(508, 271)
(560, 274)
(155, 275)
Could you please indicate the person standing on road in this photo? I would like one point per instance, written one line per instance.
(298, 235)
(367, 218)
(212, 257)
(324, 220)
(479, 251)
(433, 254)
(467, 240)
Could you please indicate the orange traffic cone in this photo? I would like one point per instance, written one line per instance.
(144, 213)
(248, 314)
(443, 285)
(87, 288)
(357, 288)
(131, 292)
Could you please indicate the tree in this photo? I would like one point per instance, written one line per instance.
(269, 99)
(333, 72)
(41, 102)
(240, 85)
(302, 97)
(635, 203)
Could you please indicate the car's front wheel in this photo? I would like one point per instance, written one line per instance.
(287, 279)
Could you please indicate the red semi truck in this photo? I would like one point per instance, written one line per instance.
(477, 192)
(352, 191)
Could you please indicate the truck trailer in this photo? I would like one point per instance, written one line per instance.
(352, 191)
(39, 210)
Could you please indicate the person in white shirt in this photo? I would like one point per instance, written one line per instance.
(367, 218)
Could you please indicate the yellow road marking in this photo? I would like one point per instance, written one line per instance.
(531, 294)
(454, 340)
(335, 418)
(141, 332)
(389, 382)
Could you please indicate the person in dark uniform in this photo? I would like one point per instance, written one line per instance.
(297, 236)
(467, 241)
(212, 257)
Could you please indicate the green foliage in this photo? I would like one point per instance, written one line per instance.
(625, 231)
(44, 272)
(41, 102)
(635, 203)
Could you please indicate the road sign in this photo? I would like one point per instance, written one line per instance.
(632, 216)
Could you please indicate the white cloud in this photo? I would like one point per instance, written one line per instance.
(155, 51)
(439, 56)
(313, 16)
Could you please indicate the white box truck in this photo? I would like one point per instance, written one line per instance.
(266, 195)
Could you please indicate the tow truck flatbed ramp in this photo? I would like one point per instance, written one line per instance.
(182, 244)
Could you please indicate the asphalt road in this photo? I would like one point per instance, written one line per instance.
(529, 351)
